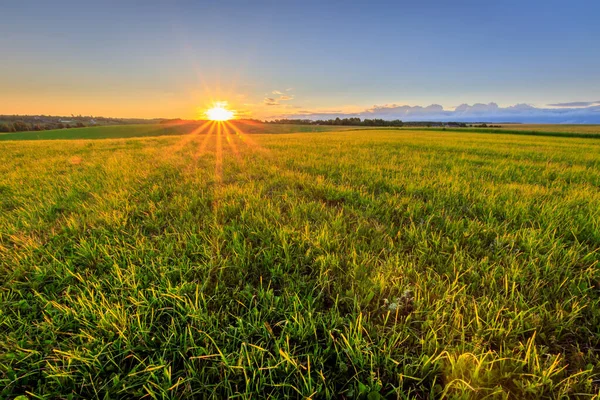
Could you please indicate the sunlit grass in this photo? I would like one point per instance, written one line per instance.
(217, 264)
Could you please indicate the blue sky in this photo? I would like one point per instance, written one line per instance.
(267, 59)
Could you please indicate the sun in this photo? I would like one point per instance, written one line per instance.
(219, 112)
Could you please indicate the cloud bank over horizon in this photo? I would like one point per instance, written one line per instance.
(559, 113)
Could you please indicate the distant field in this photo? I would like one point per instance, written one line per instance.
(148, 130)
(355, 264)
(592, 129)
(565, 131)
(98, 132)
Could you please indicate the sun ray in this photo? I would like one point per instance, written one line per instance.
(204, 143)
(219, 153)
(231, 143)
(245, 138)
(188, 137)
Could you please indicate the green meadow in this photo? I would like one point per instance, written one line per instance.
(217, 261)
(150, 130)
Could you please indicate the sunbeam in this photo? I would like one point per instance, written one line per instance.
(232, 145)
(204, 143)
(219, 153)
(185, 139)
(245, 137)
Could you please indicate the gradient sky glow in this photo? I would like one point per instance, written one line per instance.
(173, 58)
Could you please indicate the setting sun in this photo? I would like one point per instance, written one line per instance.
(219, 112)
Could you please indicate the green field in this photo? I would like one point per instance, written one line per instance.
(565, 131)
(566, 128)
(150, 130)
(349, 264)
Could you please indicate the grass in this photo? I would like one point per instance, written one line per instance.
(98, 132)
(565, 131)
(565, 128)
(353, 264)
(150, 130)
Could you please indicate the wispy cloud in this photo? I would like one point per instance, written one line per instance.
(243, 113)
(275, 101)
(270, 101)
(575, 104)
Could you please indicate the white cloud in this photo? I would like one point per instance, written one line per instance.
(477, 112)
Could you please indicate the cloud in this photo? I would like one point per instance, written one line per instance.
(394, 111)
(478, 112)
(273, 101)
(269, 101)
(243, 113)
(575, 104)
(289, 89)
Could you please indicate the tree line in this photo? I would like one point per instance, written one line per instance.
(338, 121)
(22, 126)
(355, 121)
(23, 123)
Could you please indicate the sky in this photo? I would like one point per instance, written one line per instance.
(538, 61)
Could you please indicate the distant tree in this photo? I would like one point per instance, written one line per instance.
(6, 127)
(170, 121)
(352, 121)
(21, 126)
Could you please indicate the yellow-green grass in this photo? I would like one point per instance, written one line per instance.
(148, 130)
(556, 130)
(567, 128)
(401, 264)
